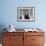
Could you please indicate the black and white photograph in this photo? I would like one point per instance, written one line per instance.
(25, 14)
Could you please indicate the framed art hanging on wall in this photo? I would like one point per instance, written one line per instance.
(26, 14)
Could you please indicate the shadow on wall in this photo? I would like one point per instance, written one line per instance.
(2, 26)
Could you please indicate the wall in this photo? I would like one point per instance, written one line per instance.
(8, 13)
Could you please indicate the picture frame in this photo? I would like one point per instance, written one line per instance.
(26, 14)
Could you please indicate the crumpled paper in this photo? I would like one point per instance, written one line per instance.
(11, 28)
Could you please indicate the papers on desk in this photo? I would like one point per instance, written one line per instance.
(11, 28)
(26, 30)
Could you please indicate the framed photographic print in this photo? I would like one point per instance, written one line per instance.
(26, 14)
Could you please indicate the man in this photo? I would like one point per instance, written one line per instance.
(26, 16)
